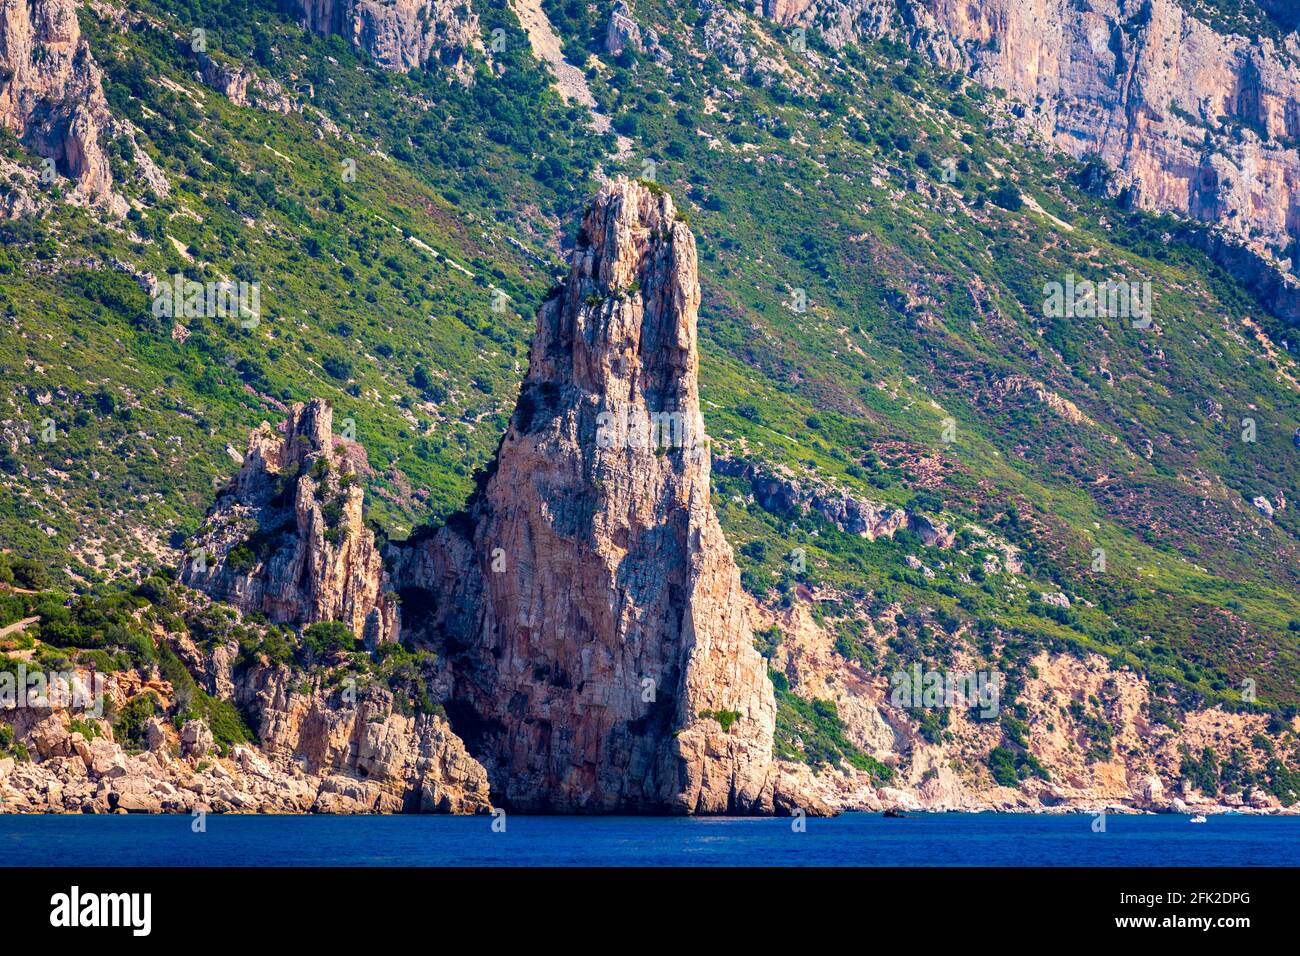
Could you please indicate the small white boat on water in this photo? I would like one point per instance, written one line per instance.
(1199, 818)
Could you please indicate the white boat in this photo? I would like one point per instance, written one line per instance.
(1199, 818)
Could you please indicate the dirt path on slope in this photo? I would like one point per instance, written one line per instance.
(17, 626)
(546, 46)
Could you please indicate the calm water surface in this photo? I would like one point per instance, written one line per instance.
(854, 839)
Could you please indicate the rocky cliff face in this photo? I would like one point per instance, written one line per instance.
(609, 665)
(369, 756)
(289, 537)
(596, 652)
(231, 80)
(1089, 725)
(51, 93)
(317, 752)
(1191, 120)
(399, 34)
(624, 31)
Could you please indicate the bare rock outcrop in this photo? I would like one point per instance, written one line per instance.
(392, 762)
(288, 538)
(245, 86)
(839, 21)
(1190, 119)
(52, 97)
(785, 495)
(51, 94)
(623, 31)
(1277, 291)
(319, 752)
(231, 80)
(196, 739)
(600, 646)
(400, 34)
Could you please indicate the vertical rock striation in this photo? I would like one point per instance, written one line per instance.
(400, 34)
(51, 91)
(289, 538)
(1193, 120)
(595, 648)
(600, 643)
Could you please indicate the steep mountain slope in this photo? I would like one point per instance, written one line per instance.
(879, 241)
(289, 201)
(1191, 118)
(613, 670)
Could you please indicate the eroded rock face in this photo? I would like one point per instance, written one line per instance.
(229, 79)
(320, 754)
(623, 31)
(391, 762)
(399, 34)
(607, 663)
(52, 95)
(839, 21)
(196, 739)
(783, 494)
(1140, 83)
(289, 537)
(1277, 291)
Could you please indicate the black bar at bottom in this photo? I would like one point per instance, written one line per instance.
(336, 906)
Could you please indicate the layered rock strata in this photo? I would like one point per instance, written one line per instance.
(399, 34)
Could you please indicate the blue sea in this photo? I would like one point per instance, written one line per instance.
(853, 839)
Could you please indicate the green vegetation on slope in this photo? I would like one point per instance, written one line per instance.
(875, 237)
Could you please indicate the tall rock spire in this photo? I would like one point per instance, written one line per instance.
(602, 648)
(289, 538)
(594, 644)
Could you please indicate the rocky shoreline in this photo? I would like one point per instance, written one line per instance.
(183, 773)
(368, 761)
